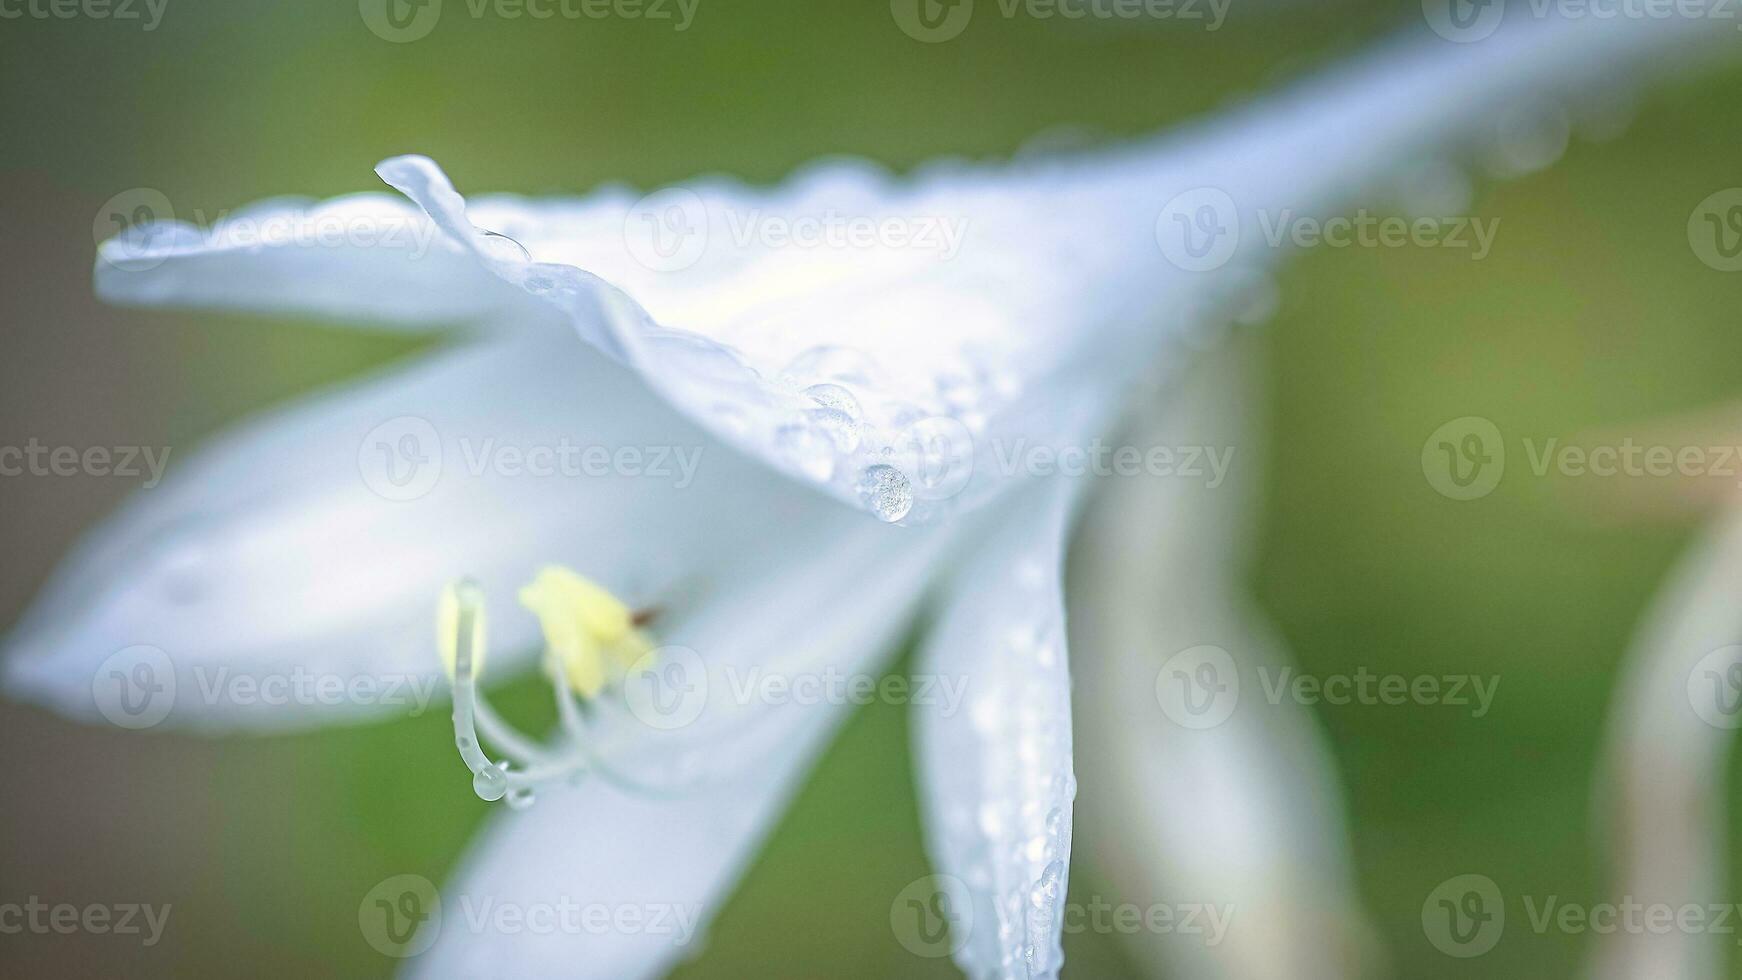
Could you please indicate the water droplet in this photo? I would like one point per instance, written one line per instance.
(835, 397)
(840, 427)
(887, 491)
(490, 783)
(807, 449)
(502, 248)
(1046, 888)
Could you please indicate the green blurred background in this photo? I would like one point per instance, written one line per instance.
(1591, 312)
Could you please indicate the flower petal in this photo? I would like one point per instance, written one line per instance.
(996, 775)
(970, 307)
(369, 257)
(310, 547)
(678, 855)
(1234, 811)
(1671, 732)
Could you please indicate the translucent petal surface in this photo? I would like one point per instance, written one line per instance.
(966, 307)
(313, 542)
(996, 775)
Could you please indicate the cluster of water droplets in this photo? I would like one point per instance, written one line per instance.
(1018, 840)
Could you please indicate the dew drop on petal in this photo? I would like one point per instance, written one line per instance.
(490, 783)
(841, 428)
(886, 491)
(502, 248)
(835, 397)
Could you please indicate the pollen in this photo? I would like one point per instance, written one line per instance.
(591, 637)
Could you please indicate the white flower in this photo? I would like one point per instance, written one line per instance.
(817, 381)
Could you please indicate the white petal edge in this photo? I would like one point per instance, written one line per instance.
(370, 257)
(1668, 745)
(996, 782)
(1242, 815)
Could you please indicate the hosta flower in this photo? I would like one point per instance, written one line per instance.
(842, 368)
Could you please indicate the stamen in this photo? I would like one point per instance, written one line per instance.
(591, 637)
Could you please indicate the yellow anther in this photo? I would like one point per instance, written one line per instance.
(589, 634)
(460, 597)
